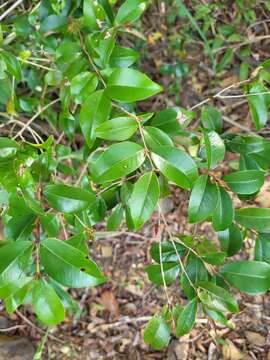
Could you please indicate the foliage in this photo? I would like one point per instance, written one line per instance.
(62, 62)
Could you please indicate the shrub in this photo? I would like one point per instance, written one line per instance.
(62, 62)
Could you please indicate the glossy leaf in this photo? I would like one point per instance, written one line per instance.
(116, 161)
(8, 148)
(211, 119)
(231, 240)
(157, 333)
(245, 182)
(254, 218)
(144, 198)
(176, 165)
(46, 304)
(215, 148)
(95, 110)
(220, 298)
(186, 319)
(262, 248)
(203, 200)
(68, 199)
(258, 105)
(130, 10)
(224, 212)
(251, 277)
(83, 85)
(128, 85)
(155, 137)
(168, 253)
(170, 271)
(117, 129)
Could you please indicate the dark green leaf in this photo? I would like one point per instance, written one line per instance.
(211, 119)
(262, 248)
(95, 110)
(224, 212)
(221, 299)
(176, 165)
(245, 182)
(251, 277)
(203, 200)
(231, 240)
(83, 85)
(144, 198)
(254, 218)
(69, 266)
(68, 199)
(116, 161)
(168, 253)
(170, 272)
(215, 148)
(187, 318)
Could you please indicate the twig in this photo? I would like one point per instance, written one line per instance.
(24, 318)
(34, 117)
(17, 3)
(15, 327)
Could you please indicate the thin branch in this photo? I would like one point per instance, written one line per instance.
(17, 3)
(34, 117)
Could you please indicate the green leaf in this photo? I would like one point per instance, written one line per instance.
(176, 165)
(219, 317)
(225, 60)
(116, 161)
(211, 118)
(224, 212)
(170, 271)
(187, 318)
(262, 248)
(231, 240)
(20, 227)
(53, 22)
(79, 241)
(116, 217)
(215, 148)
(245, 182)
(220, 298)
(195, 271)
(47, 305)
(8, 148)
(144, 198)
(13, 301)
(130, 11)
(203, 200)
(123, 57)
(157, 333)
(117, 129)
(258, 105)
(95, 110)
(129, 85)
(12, 64)
(254, 218)
(83, 85)
(155, 137)
(69, 266)
(214, 257)
(168, 253)
(68, 199)
(251, 277)
(91, 12)
(10, 259)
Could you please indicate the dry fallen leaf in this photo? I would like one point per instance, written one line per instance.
(255, 338)
(110, 303)
(231, 352)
